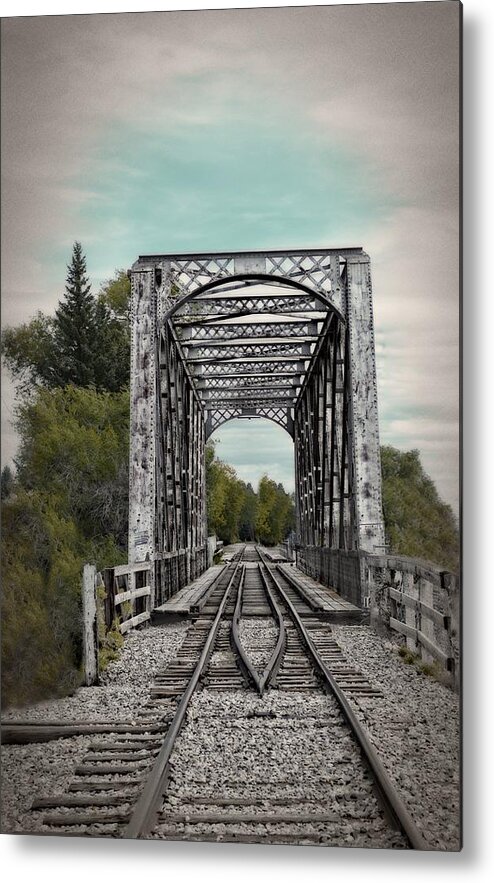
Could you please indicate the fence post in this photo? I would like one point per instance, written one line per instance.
(426, 594)
(409, 588)
(89, 625)
(109, 584)
(211, 549)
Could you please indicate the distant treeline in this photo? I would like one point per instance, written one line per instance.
(417, 521)
(67, 502)
(237, 512)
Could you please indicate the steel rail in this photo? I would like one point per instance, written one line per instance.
(389, 793)
(301, 591)
(277, 654)
(206, 593)
(248, 669)
(260, 680)
(143, 816)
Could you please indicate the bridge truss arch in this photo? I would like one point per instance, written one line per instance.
(283, 335)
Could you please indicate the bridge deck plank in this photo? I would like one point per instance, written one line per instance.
(327, 598)
(189, 595)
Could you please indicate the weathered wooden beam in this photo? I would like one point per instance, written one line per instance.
(74, 801)
(90, 626)
(135, 593)
(70, 819)
(125, 569)
(135, 620)
(422, 639)
(435, 651)
(425, 609)
(402, 628)
(19, 733)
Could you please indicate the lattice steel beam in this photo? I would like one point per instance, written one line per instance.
(265, 401)
(280, 416)
(194, 334)
(230, 351)
(258, 382)
(241, 393)
(296, 302)
(206, 370)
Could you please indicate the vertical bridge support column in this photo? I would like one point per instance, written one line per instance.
(142, 429)
(363, 404)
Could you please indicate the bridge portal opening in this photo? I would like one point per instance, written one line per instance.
(257, 449)
(284, 336)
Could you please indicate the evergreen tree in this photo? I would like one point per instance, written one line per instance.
(86, 343)
(75, 328)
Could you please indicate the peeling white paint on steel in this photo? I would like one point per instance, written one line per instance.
(142, 417)
(364, 414)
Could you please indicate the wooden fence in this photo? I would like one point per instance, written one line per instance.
(132, 591)
(126, 601)
(420, 602)
(127, 595)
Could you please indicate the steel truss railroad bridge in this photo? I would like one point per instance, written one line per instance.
(285, 335)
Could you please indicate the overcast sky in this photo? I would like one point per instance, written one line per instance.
(243, 129)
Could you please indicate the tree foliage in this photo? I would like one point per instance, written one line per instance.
(68, 502)
(67, 505)
(7, 483)
(417, 522)
(236, 512)
(29, 352)
(247, 519)
(85, 343)
(225, 493)
(75, 327)
(275, 514)
(74, 446)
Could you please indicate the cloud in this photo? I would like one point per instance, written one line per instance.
(416, 310)
(249, 128)
(255, 448)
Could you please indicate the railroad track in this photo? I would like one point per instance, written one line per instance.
(255, 650)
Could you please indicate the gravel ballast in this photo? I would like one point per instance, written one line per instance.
(415, 727)
(289, 766)
(41, 769)
(258, 637)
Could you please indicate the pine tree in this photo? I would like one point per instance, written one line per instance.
(75, 328)
(87, 342)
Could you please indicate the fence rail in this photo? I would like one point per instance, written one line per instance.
(421, 603)
(132, 591)
(127, 595)
(405, 595)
